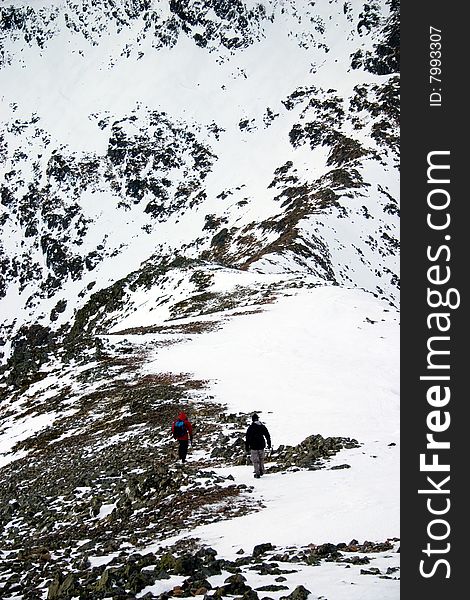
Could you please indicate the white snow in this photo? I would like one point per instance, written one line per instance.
(311, 360)
(310, 363)
(20, 430)
(105, 510)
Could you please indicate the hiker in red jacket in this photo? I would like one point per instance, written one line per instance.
(182, 431)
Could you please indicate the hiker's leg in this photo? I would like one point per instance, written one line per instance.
(255, 461)
(261, 462)
(183, 449)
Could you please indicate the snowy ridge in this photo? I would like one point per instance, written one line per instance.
(306, 365)
(199, 210)
(255, 156)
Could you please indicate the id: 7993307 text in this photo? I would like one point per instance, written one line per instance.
(435, 66)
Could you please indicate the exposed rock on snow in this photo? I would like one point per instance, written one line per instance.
(174, 173)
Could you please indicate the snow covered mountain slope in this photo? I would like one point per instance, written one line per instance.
(199, 209)
(260, 137)
(93, 501)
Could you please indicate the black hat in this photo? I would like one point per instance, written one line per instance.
(254, 417)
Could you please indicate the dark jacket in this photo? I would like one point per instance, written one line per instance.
(189, 428)
(255, 436)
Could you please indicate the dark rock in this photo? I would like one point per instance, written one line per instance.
(391, 570)
(207, 553)
(371, 571)
(195, 583)
(310, 453)
(260, 549)
(162, 575)
(138, 581)
(237, 578)
(104, 583)
(325, 549)
(235, 584)
(221, 238)
(271, 588)
(357, 560)
(62, 587)
(300, 593)
(250, 595)
(53, 591)
(187, 565)
(266, 568)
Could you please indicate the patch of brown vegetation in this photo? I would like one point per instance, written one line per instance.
(195, 327)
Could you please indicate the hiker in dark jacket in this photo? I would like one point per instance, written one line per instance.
(255, 443)
(182, 431)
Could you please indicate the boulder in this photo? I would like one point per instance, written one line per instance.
(235, 584)
(300, 593)
(262, 548)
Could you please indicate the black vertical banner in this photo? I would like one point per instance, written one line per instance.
(434, 415)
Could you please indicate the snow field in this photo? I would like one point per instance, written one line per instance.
(322, 361)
